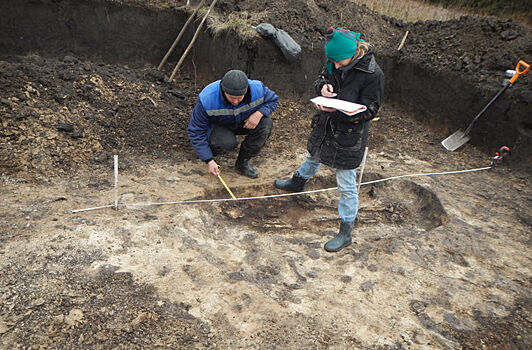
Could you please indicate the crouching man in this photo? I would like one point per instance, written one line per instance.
(234, 105)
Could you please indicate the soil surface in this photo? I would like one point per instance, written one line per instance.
(438, 262)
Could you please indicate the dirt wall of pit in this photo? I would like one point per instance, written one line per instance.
(140, 36)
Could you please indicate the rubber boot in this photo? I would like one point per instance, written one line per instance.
(295, 184)
(342, 239)
(243, 167)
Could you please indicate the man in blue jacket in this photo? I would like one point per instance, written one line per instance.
(234, 105)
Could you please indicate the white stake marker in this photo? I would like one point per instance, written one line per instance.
(116, 181)
(362, 169)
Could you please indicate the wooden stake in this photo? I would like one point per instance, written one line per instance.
(192, 42)
(402, 41)
(163, 61)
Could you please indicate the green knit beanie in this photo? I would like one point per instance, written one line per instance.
(342, 44)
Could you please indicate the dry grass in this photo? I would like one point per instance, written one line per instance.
(411, 10)
(239, 22)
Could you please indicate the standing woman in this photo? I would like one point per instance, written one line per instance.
(338, 140)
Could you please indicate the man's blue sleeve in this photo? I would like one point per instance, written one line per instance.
(270, 102)
(198, 128)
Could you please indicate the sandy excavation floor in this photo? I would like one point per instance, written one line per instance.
(439, 262)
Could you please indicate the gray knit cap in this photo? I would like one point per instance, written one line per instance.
(235, 82)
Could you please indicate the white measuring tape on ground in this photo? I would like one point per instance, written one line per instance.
(145, 204)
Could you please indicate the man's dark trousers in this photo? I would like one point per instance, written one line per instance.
(223, 139)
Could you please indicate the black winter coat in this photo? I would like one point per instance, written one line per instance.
(337, 139)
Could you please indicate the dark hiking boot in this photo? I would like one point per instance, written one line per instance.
(342, 239)
(243, 167)
(295, 184)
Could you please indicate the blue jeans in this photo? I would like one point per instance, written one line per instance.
(346, 180)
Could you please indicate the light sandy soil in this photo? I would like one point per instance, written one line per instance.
(438, 262)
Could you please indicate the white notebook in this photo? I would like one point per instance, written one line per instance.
(349, 108)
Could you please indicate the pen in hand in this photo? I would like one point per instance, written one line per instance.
(327, 90)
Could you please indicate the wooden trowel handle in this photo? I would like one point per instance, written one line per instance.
(518, 72)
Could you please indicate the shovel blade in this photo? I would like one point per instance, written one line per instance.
(454, 141)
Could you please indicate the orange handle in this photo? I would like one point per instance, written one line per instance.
(519, 72)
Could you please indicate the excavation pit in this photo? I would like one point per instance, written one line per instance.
(402, 205)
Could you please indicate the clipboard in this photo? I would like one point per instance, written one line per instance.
(346, 107)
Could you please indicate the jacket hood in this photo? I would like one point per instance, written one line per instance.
(365, 63)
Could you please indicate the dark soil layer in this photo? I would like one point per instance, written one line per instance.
(446, 73)
(66, 114)
(116, 311)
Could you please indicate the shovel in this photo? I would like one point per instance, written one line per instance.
(460, 137)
